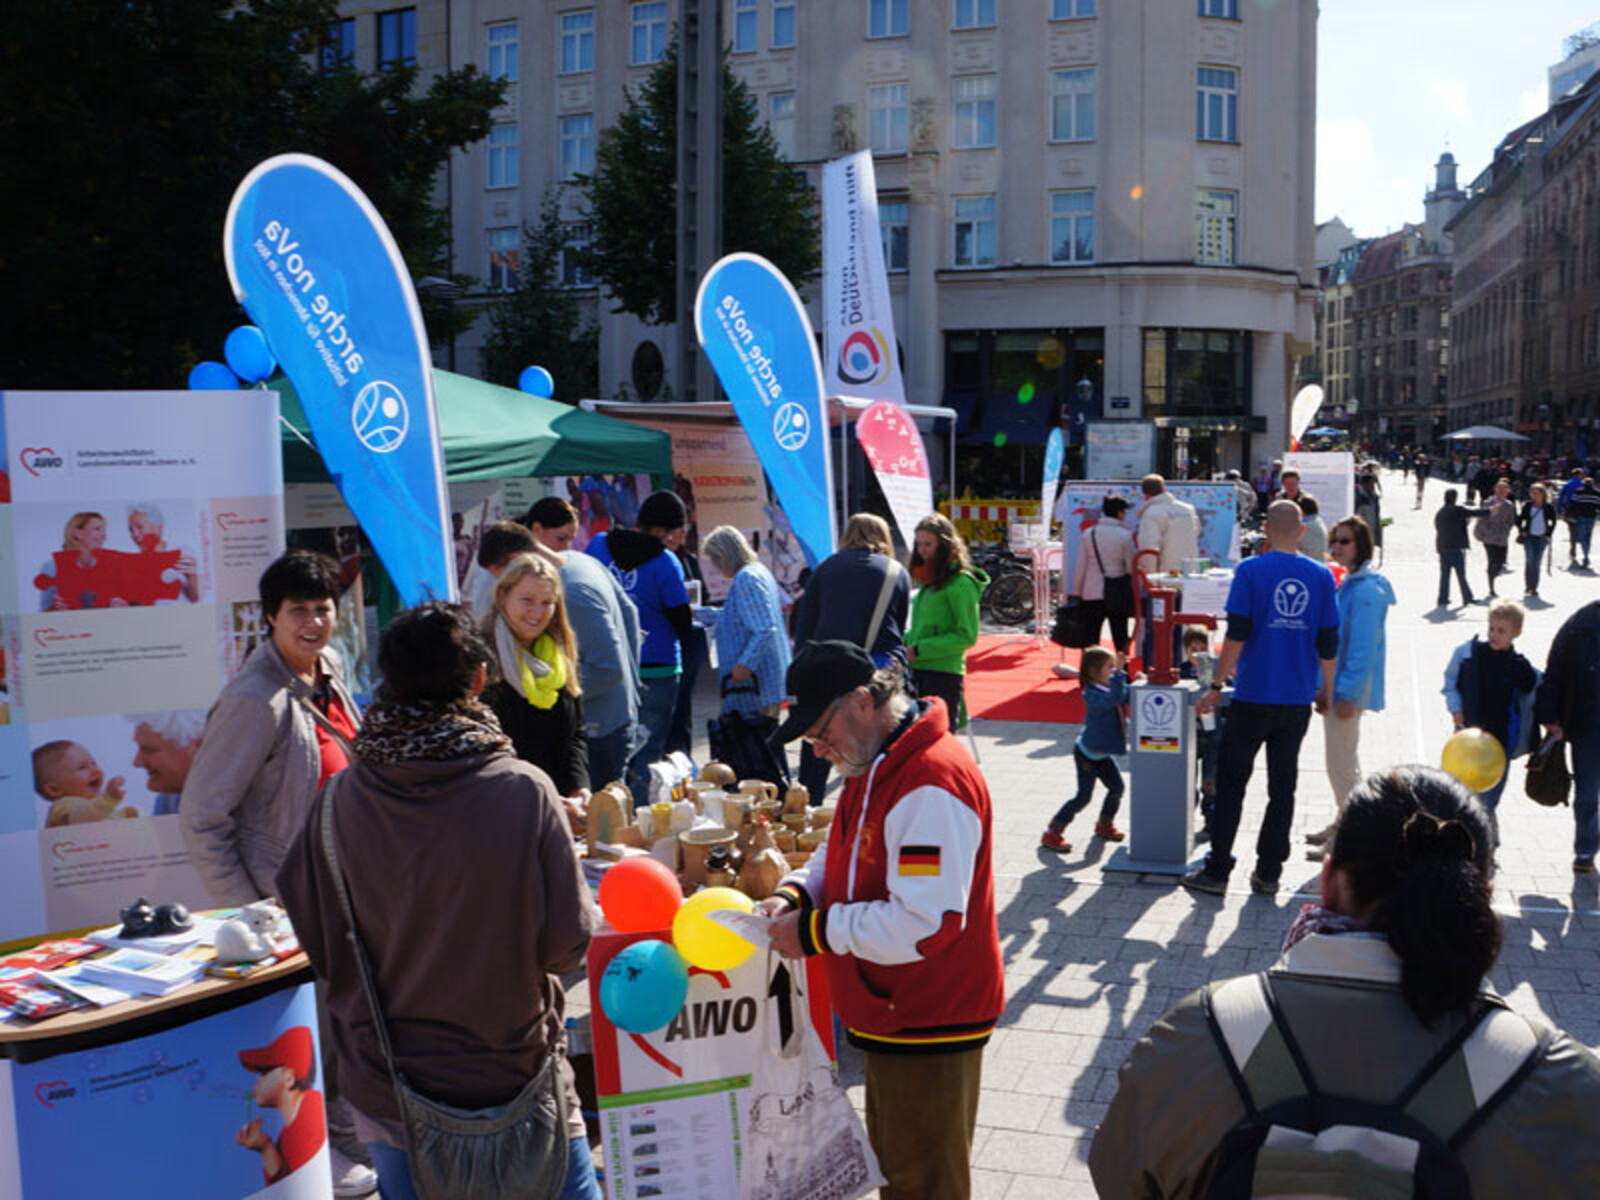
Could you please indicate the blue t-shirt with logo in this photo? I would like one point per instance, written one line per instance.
(1288, 598)
(653, 586)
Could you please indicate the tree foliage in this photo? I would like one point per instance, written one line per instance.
(125, 128)
(539, 322)
(632, 195)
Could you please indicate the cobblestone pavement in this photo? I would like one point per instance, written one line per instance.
(1092, 959)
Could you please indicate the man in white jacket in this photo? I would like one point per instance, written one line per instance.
(1167, 524)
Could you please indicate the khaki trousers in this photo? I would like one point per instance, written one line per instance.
(922, 1110)
(1343, 745)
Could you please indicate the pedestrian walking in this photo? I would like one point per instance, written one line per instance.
(1282, 647)
(1489, 685)
(1103, 737)
(1450, 542)
(1314, 543)
(1535, 526)
(1494, 529)
(1566, 707)
(1421, 467)
(1583, 507)
(1369, 507)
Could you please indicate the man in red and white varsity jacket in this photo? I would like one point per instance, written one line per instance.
(900, 902)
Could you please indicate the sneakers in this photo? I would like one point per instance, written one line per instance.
(1108, 831)
(1202, 835)
(350, 1179)
(1201, 880)
(1583, 866)
(1263, 887)
(1051, 840)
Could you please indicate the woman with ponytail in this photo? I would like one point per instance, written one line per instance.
(1387, 973)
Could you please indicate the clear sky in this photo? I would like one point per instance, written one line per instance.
(1400, 81)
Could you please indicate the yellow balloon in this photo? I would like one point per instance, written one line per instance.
(701, 940)
(1475, 757)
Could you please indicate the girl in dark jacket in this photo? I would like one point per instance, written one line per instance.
(1536, 525)
(536, 695)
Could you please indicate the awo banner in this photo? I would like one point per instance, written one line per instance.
(314, 265)
(858, 320)
(754, 330)
(893, 445)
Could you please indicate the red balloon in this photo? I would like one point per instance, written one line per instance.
(639, 895)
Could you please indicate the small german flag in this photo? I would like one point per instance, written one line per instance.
(919, 860)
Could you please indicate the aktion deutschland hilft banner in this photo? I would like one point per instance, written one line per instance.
(858, 321)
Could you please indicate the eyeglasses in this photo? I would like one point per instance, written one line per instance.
(820, 737)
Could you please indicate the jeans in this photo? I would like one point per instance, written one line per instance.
(1533, 549)
(681, 735)
(394, 1172)
(1586, 793)
(657, 699)
(1453, 560)
(1584, 528)
(609, 754)
(1497, 562)
(1089, 770)
(1281, 728)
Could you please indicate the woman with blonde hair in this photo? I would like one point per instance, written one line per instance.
(944, 614)
(84, 532)
(536, 693)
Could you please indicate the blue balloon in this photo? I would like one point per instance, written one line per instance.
(247, 353)
(644, 986)
(536, 381)
(211, 376)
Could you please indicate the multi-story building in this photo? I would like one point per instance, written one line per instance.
(1070, 191)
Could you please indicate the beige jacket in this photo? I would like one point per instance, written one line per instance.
(254, 777)
(1169, 525)
(1175, 1100)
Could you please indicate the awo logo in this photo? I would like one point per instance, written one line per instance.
(38, 459)
(65, 850)
(53, 1091)
(232, 520)
(43, 638)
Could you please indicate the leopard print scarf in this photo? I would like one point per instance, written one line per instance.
(396, 733)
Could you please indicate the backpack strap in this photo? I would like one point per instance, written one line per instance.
(1474, 1073)
(1262, 1058)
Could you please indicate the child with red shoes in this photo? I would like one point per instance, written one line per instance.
(1105, 691)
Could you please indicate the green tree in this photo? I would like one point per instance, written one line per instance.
(541, 322)
(126, 127)
(632, 195)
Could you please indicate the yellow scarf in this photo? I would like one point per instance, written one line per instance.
(542, 687)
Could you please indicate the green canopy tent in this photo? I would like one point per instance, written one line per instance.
(493, 432)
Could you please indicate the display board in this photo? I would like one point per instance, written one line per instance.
(672, 1101)
(1118, 449)
(177, 1113)
(138, 526)
(1079, 507)
(1330, 476)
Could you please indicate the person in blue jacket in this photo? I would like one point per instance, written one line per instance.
(1489, 685)
(1364, 599)
(1105, 691)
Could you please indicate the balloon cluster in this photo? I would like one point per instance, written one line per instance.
(248, 357)
(645, 985)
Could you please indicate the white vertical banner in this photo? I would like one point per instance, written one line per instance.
(858, 320)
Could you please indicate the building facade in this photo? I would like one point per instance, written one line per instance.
(1071, 192)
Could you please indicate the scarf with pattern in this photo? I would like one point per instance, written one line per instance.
(396, 733)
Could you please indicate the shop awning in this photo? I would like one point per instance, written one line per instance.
(493, 432)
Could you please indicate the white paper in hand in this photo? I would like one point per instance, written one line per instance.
(752, 927)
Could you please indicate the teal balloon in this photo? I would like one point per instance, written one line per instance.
(247, 353)
(536, 381)
(644, 986)
(211, 376)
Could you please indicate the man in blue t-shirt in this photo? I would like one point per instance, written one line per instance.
(1282, 646)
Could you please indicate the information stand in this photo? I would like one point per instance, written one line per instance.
(146, 1099)
(1161, 772)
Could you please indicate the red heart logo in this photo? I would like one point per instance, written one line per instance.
(62, 849)
(29, 453)
(223, 518)
(45, 1088)
(41, 637)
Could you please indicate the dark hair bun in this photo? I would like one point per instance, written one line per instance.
(1427, 836)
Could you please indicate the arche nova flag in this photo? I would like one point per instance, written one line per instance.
(316, 268)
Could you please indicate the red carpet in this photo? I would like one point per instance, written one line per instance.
(1009, 680)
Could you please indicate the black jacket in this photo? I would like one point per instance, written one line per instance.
(552, 739)
(1570, 690)
(1450, 527)
(1584, 504)
(1550, 519)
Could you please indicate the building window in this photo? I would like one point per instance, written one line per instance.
(894, 223)
(577, 41)
(973, 242)
(1064, 10)
(503, 156)
(1216, 215)
(397, 39)
(505, 256)
(1072, 105)
(649, 32)
(973, 14)
(782, 24)
(339, 50)
(889, 118)
(1228, 10)
(780, 120)
(745, 40)
(1196, 372)
(503, 51)
(1217, 105)
(888, 18)
(577, 146)
(579, 238)
(974, 112)
(1072, 227)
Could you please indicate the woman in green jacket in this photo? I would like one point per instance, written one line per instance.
(944, 613)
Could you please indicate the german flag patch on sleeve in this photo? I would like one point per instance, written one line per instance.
(919, 860)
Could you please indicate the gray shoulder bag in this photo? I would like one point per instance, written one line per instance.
(515, 1149)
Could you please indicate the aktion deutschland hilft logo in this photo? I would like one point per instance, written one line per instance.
(864, 357)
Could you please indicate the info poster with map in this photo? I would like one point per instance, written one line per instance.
(133, 529)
